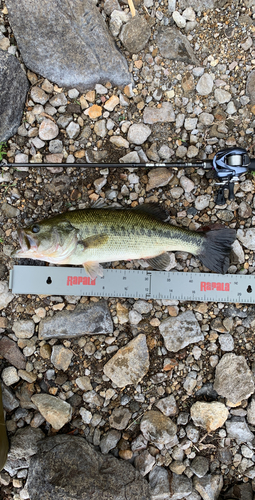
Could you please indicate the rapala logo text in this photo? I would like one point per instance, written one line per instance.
(220, 287)
(80, 280)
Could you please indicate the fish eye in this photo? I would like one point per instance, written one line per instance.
(36, 228)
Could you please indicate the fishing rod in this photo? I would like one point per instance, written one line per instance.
(228, 166)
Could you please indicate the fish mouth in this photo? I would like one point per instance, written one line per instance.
(27, 243)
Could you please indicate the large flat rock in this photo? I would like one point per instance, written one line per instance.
(67, 41)
(67, 467)
(13, 90)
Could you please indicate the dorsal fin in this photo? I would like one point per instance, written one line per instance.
(152, 209)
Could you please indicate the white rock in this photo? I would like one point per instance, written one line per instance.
(10, 375)
(138, 133)
(178, 19)
(5, 296)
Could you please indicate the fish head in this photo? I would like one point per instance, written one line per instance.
(50, 240)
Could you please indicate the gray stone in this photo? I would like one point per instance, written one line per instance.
(10, 402)
(58, 100)
(202, 201)
(197, 5)
(180, 331)
(158, 177)
(222, 96)
(138, 133)
(233, 378)
(73, 130)
(119, 418)
(135, 34)
(238, 429)
(56, 146)
(180, 486)
(13, 89)
(100, 128)
(226, 342)
(69, 464)
(167, 405)
(10, 375)
(247, 237)
(173, 45)
(109, 441)
(9, 211)
(158, 428)
(38, 95)
(91, 319)
(48, 130)
(205, 84)
(200, 466)
(92, 398)
(86, 55)
(130, 364)
(163, 114)
(22, 446)
(209, 486)
(144, 462)
(251, 411)
(159, 483)
(53, 409)
(61, 357)
(24, 329)
(250, 86)
(84, 383)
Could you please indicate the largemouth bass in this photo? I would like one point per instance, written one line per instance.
(94, 235)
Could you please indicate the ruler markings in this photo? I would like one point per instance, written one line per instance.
(121, 283)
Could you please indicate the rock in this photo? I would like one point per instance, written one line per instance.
(238, 429)
(119, 141)
(130, 364)
(209, 486)
(167, 405)
(247, 237)
(197, 5)
(24, 329)
(250, 86)
(11, 352)
(180, 331)
(85, 415)
(58, 100)
(69, 464)
(200, 466)
(250, 411)
(48, 130)
(163, 114)
(179, 19)
(138, 133)
(142, 306)
(135, 34)
(202, 201)
(159, 482)
(23, 445)
(73, 130)
(109, 441)
(122, 313)
(119, 418)
(13, 89)
(84, 383)
(180, 486)
(205, 84)
(91, 319)
(173, 45)
(144, 462)
(61, 357)
(209, 416)
(233, 378)
(80, 60)
(53, 409)
(9, 400)
(10, 375)
(158, 177)
(158, 428)
(226, 342)
(9, 211)
(222, 96)
(38, 95)
(92, 398)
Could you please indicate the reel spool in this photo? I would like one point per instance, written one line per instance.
(228, 166)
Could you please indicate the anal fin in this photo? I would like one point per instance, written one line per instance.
(160, 262)
(93, 269)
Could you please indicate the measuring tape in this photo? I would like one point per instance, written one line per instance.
(205, 287)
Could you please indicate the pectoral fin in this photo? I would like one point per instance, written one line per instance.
(160, 262)
(93, 269)
(95, 241)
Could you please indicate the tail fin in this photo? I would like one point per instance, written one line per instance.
(216, 248)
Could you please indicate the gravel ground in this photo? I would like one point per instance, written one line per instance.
(181, 410)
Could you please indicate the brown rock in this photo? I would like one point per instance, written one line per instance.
(159, 177)
(94, 111)
(188, 82)
(10, 351)
(209, 416)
